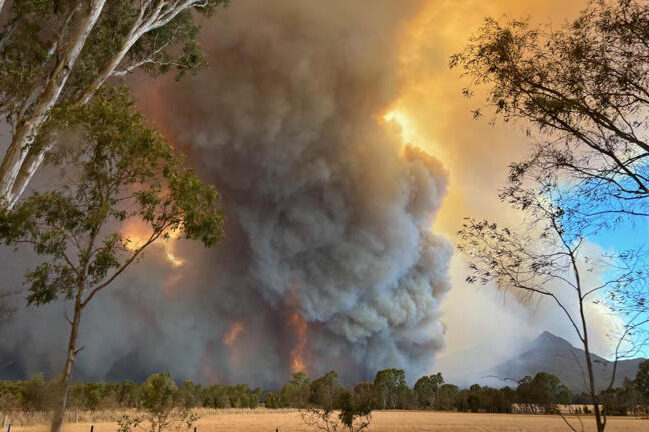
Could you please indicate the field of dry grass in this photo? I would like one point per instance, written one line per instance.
(261, 420)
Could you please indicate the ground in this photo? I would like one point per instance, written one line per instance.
(382, 421)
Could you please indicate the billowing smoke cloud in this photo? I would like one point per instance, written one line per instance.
(485, 327)
(329, 261)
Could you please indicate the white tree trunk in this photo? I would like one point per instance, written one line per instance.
(27, 129)
(20, 164)
(59, 412)
(109, 69)
(159, 17)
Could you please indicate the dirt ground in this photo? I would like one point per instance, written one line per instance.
(382, 421)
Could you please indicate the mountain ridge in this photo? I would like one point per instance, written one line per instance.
(553, 354)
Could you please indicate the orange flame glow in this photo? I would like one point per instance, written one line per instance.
(298, 353)
(136, 236)
(410, 134)
(232, 333)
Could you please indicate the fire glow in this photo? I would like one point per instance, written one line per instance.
(409, 134)
(136, 236)
(232, 333)
(298, 353)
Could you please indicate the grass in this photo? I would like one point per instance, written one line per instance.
(260, 420)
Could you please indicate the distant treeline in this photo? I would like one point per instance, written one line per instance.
(389, 390)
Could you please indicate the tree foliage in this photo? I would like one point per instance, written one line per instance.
(55, 53)
(390, 388)
(538, 394)
(124, 171)
(427, 389)
(163, 406)
(641, 381)
(585, 87)
(297, 391)
(114, 170)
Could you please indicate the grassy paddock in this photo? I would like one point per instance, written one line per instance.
(34, 418)
(288, 420)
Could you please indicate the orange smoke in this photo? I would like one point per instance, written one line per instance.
(209, 373)
(298, 353)
(232, 333)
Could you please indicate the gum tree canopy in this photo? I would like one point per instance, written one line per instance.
(58, 52)
(123, 172)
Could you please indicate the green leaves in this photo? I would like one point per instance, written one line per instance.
(47, 281)
(158, 393)
(194, 204)
(118, 170)
(583, 88)
(30, 40)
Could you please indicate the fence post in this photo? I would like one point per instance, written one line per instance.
(195, 428)
(4, 421)
(9, 428)
(92, 428)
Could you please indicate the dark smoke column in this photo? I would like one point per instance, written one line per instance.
(329, 216)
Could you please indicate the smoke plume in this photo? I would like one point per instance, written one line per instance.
(329, 261)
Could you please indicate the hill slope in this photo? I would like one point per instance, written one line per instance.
(555, 355)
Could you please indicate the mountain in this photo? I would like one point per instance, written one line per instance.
(550, 353)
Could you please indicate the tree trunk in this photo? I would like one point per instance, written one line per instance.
(2, 3)
(109, 68)
(27, 170)
(27, 128)
(59, 413)
(153, 22)
(601, 425)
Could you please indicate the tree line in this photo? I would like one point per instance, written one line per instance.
(38, 394)
(541, 393)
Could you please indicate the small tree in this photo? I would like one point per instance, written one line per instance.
(547, 260)
(273, 401)
(390, 388)
(297, 391)
(325, 391)
(546, 391)
(124, 171)
(641, 380)
(427, 389)
(215, 396)
(189, 394)
(34, 394)
(447, 395)
(354, 415)
(163, 405)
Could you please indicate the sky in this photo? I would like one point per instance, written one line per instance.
(303, 114)
(476, 154)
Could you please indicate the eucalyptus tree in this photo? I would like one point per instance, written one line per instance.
(124, 172)
(585, 89)
(583, 92)
(427, 390)
(58, 52)
(548, 258)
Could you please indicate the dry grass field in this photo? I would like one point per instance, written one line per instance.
(261, 420)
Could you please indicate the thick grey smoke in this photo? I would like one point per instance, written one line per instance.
(329, 215)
